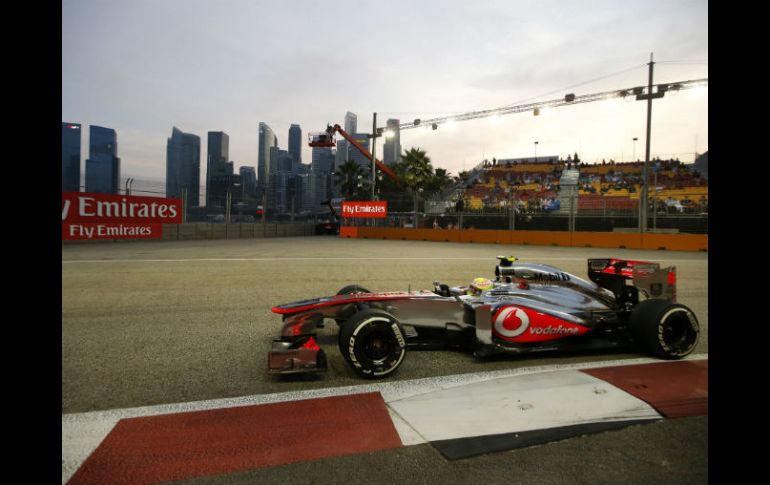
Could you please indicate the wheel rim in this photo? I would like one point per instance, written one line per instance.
(378, 346)
(678, 333)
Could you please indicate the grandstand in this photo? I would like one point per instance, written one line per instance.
(535, 186)
(528, 184)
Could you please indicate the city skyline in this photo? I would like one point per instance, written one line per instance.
(140, 77)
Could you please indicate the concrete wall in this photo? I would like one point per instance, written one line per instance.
(180, 232)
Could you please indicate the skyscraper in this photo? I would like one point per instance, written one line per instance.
(351, 122)
(267, 140)
(305, 192)
(249, 180)
(321, 169)
(323, 160)
(218, 171)
(70, 157)
(295, 143)
(355, 155)
(281, 171)
(344, 149)
(392, 149)
(103, 164)
(183, 167)
(341, 155)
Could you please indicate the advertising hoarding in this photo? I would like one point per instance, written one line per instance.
(359, 209)
(87, 216)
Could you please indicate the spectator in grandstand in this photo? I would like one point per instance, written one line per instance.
(435, 224)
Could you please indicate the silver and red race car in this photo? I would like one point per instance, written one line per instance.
(527, 308)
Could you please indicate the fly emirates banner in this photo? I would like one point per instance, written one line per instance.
(107, 216)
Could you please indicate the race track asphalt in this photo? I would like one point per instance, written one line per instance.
(148, 323)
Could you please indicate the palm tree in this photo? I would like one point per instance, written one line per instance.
(415, 171)
(439, 181)
(463, 177)
(346, 177)
(417, 168)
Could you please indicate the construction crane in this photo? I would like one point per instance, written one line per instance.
(326, 140)
(567, 99)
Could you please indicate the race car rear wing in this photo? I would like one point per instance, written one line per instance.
(649, 278)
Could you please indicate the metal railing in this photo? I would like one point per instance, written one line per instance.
(597, 213)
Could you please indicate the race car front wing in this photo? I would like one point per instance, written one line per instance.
(292, 355)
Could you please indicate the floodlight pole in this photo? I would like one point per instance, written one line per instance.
(184, 204)
(374, 151)
(645, 185)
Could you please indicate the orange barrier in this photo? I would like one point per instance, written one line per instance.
(440, 235)
(487, 236)
(675, 242)
(541, 238)
(607, 239)
(346, 231)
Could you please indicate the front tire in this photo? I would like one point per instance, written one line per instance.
(667, 330)
(349, 290)
(352, 289)
(373, 343)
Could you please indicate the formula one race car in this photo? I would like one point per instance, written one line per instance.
(527, 308)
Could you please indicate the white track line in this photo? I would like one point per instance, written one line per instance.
(83, 432)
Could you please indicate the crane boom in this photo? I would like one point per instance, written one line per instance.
(327, 140)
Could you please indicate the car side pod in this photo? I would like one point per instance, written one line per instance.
(294, 355)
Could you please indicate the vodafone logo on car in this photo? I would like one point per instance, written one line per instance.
(519, 324)
(511, 322)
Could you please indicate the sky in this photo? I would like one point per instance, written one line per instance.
(143, 67)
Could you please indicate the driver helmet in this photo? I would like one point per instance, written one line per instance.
(480, 284)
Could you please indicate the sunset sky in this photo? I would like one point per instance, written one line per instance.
(143, 67)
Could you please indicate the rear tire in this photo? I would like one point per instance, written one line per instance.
(667, 330)
(372, 343)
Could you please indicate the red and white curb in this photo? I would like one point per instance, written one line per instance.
(461, 415)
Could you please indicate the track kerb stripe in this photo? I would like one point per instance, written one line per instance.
(179, 446)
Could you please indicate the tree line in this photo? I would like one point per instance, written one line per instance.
(415, 170)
